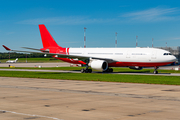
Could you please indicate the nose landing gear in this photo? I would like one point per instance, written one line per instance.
(155, 70)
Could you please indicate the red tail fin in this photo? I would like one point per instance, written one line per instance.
(49, 44)
(47, 39)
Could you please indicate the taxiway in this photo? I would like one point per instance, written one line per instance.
(48, 99)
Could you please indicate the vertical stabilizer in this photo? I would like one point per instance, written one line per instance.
(47, 39)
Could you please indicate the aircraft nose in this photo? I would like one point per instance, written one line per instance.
(174, 58)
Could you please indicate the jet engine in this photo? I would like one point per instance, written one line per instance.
(136, 67)
(99, 65)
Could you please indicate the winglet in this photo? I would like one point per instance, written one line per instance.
(6, 48)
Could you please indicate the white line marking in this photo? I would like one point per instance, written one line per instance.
(4, 111)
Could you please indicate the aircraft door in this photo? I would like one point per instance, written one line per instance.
(128, 55)
(154, 53)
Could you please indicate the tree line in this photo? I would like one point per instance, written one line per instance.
(21, 55)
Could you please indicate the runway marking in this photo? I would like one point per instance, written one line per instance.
(5, 111)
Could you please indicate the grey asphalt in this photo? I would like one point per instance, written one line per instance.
(48, 99)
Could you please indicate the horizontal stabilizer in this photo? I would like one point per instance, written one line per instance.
(35, 49)
(31, 48)
(6, 48)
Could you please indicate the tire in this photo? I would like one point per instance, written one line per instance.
(86, 70)
(89, 70)
(111, 70)
(82, 71)
(155, 72)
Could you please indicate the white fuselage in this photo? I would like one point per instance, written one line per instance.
(127, 55)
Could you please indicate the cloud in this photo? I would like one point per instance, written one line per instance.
(150, 15)
(178, 38)
(169, 39)
(153, 15)
(68, 20)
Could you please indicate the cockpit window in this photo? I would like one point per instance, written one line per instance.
(167, 54)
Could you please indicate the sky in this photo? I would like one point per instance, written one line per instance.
(66, 19)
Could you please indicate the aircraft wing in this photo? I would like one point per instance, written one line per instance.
(35, 49)
(59, 54)
(8, 49)
(45, 52)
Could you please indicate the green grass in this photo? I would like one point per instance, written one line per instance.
(120, 69)
(167, 80)
(33, 60)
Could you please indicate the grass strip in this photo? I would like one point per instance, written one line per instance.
(166, 80)
(115, 69)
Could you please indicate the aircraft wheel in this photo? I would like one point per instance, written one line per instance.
(86, 70)
(110, 70)
(89, 70)
(155, 72)
(82, 70)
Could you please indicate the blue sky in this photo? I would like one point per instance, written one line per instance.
(66, 19)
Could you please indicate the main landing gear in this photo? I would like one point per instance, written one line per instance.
(110, 70)
(155, 70)
(86, 70)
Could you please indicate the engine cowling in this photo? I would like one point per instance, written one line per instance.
(136, 67)
(99, 65)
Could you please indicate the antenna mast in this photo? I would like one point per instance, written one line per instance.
(115, 39)
(85, 37)
(136, 41)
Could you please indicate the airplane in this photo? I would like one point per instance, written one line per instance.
(103, 58)
(12, 61)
